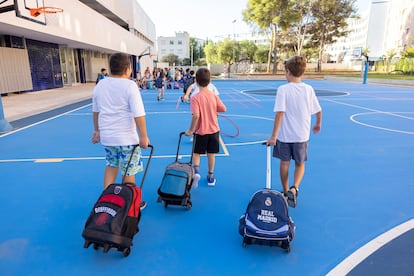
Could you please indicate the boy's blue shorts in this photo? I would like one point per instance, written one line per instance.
(118, 156)
(288, 151)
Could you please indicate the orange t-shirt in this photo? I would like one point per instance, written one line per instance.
(207, 105)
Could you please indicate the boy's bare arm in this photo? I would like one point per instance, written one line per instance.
(95, 136)
(220, 106)
(188, 92)
(276, 126)
(142, 132)
(194, 120)
(318, 124)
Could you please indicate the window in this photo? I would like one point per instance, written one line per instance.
(171, 42)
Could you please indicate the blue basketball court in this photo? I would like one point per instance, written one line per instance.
(354, 215)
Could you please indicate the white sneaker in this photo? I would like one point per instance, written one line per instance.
(196, 178)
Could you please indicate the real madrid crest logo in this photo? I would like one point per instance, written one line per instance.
(117, 190)
(268, 202)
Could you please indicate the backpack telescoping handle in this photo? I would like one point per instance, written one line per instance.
(146, 167)
(178, 148)
(268, 166)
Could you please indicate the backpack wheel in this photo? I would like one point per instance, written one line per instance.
(189, 205)
(126, 251)
(86, 244)
(95, 246)
(285, 245)
(165, 204)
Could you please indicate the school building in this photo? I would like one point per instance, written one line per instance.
(44, 51)
(386, 28)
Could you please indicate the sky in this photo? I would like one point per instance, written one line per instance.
(212, 19)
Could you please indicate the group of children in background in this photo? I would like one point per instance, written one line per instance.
(118, 109)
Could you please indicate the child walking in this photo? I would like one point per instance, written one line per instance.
(295, 103)
(205, 106)
(160, 85)
(119, 121)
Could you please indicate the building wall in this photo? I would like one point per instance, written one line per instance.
(377, 28)
(386, 27)
(14, 70)
(178, 45)
(85, 37)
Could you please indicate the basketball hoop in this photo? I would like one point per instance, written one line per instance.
(45, 10)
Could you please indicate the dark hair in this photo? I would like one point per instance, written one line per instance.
(296, 65)
(103, 69)
(203, 77)
(119, 63)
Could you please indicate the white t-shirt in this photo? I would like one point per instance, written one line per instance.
(210, 87)
(118, 102)
(298, 101)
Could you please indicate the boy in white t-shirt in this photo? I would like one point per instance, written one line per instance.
(195, 88)
(118, 111)
(295, 103)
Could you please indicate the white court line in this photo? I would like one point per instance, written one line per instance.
(61, 159)
(353, 119)
(365, 251)
(43, 121)
(370, 109)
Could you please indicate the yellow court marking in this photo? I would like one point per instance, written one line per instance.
(49, 160)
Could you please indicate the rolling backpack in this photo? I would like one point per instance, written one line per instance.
(177, 180)
(266, 220)
(113, 220)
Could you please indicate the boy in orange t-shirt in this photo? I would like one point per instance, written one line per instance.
(205, 106)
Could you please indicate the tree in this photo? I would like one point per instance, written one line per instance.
(171, 59)
(211, 53)
(269, 15)
(260, 55)
(409, 52)
(186, 62)
(247, 50)
(301, 16)
(330, 22)
(225, 52)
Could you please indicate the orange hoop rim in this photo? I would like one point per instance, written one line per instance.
(46, 10)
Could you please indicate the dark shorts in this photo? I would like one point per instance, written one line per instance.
(209, 143)
(288, 151)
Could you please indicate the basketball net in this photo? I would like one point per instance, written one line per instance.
(53, 15)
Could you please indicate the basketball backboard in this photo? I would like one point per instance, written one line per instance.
(23, 10)
(6, 5)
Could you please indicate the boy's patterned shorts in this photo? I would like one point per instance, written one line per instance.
(118, 156)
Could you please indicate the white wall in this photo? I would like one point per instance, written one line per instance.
(81, 27)
(377, 28)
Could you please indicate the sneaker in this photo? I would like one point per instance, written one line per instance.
(142, 205)
(158, 98)
(196, 178)
(211, 181)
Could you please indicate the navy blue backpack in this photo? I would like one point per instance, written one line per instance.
(267, 220)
